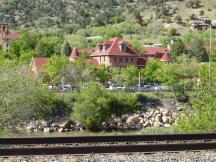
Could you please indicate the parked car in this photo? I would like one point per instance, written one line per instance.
(116, 87)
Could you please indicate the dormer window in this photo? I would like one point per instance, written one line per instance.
(105, 47)
(122, 46)
(99, 47)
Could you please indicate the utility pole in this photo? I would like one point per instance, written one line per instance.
(62, 88)
(210, 52)
(139, 81)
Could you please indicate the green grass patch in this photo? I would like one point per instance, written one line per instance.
(154, 130)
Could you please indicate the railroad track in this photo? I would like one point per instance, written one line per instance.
(205, 142)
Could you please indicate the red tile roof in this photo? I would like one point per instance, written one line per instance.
(74, 53)
(39, 62)
(165, 58)
(141, 61)
(93, 61)
(155, 50)
(83, 50)
(11, 35)
(115, 50)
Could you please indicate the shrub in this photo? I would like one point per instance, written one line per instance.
(178, 19)
(202, 118)
(94, 105)
(21, 97)
(123, 103)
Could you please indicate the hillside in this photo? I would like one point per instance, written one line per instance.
(50, 13)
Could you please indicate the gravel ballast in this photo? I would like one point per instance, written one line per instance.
(203, 156)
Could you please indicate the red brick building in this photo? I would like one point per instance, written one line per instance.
(38, 64)
(159, 53)
(117, 53)
(6, 36)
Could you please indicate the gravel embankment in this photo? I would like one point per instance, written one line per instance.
(204, 156)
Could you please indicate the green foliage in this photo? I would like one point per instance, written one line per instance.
(93, 105)
(67, 49)
(198, 50)
(193, 3)
(150, 72)
(123, 103)
(56, 68)
(178, 49)
(79, 73)
(136, 44)
(85, 55)
(24, 46)
(202, 118)
(103, 74)
(201, 12)
(178, 19)
(77, 40)
(127, 76)
(130, 74)
(192, 17)
(172, 32)
(21, 97)
(179, 76)
(48, 45)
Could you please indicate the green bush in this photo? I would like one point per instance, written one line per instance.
(124, 103)
(94, 105)
(202, 118)
(22, 97)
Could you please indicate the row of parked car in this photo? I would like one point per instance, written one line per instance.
(66, 87)
(140, 87)
(114, 86)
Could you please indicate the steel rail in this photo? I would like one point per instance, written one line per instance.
(107, 149)
(97, 139)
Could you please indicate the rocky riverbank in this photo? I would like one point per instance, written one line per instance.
(151, 116)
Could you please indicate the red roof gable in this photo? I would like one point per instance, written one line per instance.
(83, 50)
(93, 61)
(165, 58)
(11, 35)
(155, 50)
(141, 61)
(74, 53)
(114, 49)
(39, 62)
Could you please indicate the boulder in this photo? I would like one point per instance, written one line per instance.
(117, 120)
(132, 120)
(30, 128)
(167, 125)
(165, 113)
(65, 124)
(180, 108)
(104, 125)
(47, 130)
(165, 119)
(141, 121)
(44, 123)
(157, 124)
(125, 117)
(54, 124)
(146, 124)
(61, 130)
(119, 124)
(158, 118)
